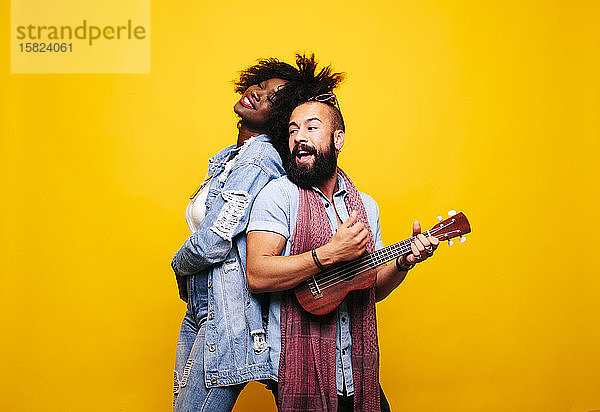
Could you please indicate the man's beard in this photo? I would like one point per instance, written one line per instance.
(306, 176)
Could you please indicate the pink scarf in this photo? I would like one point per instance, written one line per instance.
(307, 379)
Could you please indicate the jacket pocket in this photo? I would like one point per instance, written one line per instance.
(231, 265)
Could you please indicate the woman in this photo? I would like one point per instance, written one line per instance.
(222, 343)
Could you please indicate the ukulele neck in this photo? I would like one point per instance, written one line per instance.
(381, 256)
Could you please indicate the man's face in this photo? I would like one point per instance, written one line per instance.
(313, 145)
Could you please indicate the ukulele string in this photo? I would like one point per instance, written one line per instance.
(357, 269)
(360, 262)
(361, 265)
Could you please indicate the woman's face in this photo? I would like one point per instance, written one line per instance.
(255, 104)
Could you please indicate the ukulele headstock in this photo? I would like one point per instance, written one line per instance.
(456, 225)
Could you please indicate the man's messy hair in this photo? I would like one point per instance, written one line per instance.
(303, 82)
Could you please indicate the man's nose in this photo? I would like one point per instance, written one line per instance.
(300, 136)
(255, 95)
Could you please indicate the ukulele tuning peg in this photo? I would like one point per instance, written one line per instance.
(451, 212)
(439, 218)
(450, 242)
(462, 239)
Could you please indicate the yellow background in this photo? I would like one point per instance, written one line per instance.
(486, 107)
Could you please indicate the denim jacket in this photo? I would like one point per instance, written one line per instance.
(235, 347)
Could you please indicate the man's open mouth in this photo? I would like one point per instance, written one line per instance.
(304, 154)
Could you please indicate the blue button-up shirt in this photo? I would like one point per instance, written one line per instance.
(276, 210)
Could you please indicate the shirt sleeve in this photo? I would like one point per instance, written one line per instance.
(226, 218)
(270, 211)
(372, 210)
(377, 234)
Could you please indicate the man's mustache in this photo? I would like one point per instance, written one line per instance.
(304, 147)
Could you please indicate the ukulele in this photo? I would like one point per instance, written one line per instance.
(321, 293)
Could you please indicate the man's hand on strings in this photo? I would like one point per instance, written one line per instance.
(422, 247)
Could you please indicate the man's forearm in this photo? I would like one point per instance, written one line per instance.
(268, 273)
(277, 273)
(388, 279)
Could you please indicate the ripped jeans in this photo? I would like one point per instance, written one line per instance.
(189, 391)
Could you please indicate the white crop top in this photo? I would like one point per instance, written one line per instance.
(196, 209)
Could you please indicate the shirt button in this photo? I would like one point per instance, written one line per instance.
(213, 380)
(326, 204)
(209, 284)
(211, 316)
(211, 348)
(343, 319)
(343, 351)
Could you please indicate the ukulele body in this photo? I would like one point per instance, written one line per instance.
(326, 295)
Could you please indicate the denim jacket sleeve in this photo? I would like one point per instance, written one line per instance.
(227, 216)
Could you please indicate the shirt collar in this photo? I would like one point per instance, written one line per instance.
(341, 184)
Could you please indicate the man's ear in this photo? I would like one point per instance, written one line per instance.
(339, 137)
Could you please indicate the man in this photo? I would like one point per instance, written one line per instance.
(326, 362)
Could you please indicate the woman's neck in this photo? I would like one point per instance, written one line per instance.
(245, 132)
